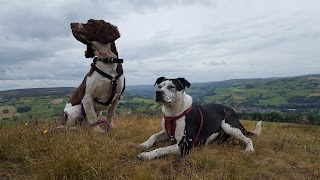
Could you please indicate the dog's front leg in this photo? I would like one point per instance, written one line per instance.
(173, 149)
(87, 102)
(111, 111)
(161, 136)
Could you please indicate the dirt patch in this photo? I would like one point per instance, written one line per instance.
(57, 101)
(313, 94)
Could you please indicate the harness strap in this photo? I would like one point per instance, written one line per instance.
(94, 67)
(113, 83)
(170, 123)
(114, 87)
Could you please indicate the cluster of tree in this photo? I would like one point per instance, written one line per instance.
(23, 109)
(36, 92)
(282, 117)
(304, 102)
(302, 105)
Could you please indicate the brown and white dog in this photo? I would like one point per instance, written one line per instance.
(104, 83)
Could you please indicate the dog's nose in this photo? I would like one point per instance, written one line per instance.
(159, 96)
(75, 26)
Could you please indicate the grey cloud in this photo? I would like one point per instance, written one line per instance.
(143, 5)
(36, 43)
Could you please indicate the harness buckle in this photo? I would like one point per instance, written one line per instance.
(110, 60)
(114, 85)
(173, 139)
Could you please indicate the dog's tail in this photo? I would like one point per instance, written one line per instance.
(256, 132)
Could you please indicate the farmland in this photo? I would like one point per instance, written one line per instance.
(300, 94)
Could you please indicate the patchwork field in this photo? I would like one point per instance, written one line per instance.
(301, 94)
(283, 151)
(8, 112)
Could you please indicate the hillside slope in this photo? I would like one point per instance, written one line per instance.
(301, 93)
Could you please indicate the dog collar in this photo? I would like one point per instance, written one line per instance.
(108, 60)
(170, 123)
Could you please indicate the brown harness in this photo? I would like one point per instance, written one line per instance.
(170, 124)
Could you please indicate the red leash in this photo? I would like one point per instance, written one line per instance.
(168, 120)
(200, 127)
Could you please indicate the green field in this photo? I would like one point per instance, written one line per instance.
(41, 107)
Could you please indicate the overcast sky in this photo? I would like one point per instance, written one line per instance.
(202, 41)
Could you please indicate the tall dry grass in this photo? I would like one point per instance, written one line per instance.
(283, 151)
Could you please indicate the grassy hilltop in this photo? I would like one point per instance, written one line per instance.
(282, 151)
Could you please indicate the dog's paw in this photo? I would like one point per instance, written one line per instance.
(112, 126)
(144, 156)
(98, 130)
(143, 146)
(249, 150)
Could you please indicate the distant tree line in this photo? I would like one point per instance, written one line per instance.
(36, 92)
(298, 102)
(313, 119)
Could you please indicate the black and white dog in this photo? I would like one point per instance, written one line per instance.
(187, 124)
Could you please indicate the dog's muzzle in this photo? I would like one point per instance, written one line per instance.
(159, 96)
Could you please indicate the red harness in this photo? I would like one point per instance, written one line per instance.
(170, 124)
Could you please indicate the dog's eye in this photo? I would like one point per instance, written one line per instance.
(159, 87)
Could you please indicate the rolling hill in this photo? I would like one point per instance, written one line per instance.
(299, 94)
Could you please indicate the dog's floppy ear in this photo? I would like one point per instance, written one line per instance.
(184, 82)
(107, 33)
(89, 52)
(114, 49)
(160, 80)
